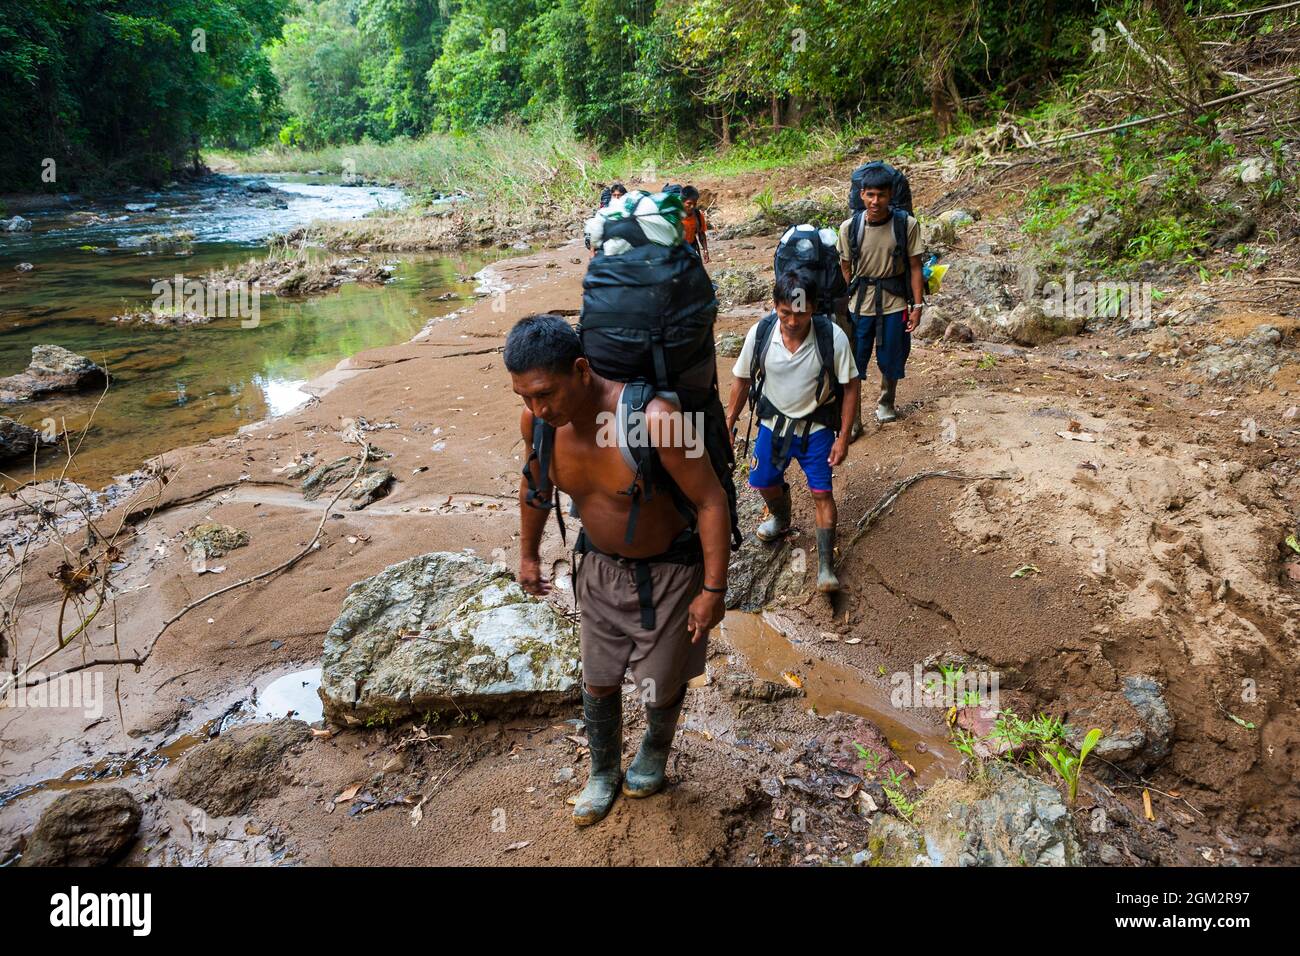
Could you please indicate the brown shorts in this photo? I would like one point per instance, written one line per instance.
(613, 641)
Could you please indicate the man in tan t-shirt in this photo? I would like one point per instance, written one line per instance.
(880, 282)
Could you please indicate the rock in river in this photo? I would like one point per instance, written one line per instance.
(446, 632)
(16, 439)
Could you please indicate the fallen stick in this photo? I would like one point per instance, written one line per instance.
(283, 566)
(1287, 81)
(895, 490)
(1249, 13)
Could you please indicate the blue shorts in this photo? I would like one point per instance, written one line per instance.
(892, 342)
(811, 451)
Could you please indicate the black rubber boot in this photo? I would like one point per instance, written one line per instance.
(645, 775)
(604, 719)
(775, 527)
(885, 408)
(826, 579)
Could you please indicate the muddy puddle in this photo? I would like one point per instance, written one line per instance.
(831, 687)
(290, 695)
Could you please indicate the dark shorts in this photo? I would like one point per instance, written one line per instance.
(889, 336)
(811, 452)
(661, 660)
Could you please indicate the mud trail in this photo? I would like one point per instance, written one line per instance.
(1155, 550)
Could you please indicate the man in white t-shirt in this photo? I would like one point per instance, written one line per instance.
(797, 368)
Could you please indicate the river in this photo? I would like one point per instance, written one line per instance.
(175, 387)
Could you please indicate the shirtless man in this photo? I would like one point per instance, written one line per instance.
(646, 605)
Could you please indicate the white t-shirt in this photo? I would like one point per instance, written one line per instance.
(791, 383)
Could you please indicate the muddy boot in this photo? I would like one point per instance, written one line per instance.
(645, 775)
(885, 409)
(827, 582)
(779, 523)
(604, 719)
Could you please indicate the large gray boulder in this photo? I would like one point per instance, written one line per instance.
(1009, 820)
(446, 632)
(52, 369)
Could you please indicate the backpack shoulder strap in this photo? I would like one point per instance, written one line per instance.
(900, 251)
(855, 238)
(633, 401)
(541, 492)
(824, 330)
(762, 340)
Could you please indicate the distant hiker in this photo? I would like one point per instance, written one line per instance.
(797, 372)
(607, 196)
(648, 590)
(694, 224)
(880, 255)
(610, 193)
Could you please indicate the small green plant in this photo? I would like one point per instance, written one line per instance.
(900, 803)
(869, 757)
(1065, 763)
(963, 742)
(987, 362)
(765, 201)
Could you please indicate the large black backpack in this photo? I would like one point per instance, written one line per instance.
(802, 248)
(900, 195)
(647, 319)
(828, 413)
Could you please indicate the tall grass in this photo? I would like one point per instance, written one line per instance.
(542, 163)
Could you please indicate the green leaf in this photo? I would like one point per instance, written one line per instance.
(1244, 723)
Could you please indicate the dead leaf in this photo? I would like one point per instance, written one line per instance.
(348, 794)
(1077, 436)
(517, 846)
(1146, 805)
(792, 679)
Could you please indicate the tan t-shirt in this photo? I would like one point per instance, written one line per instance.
(876, 258)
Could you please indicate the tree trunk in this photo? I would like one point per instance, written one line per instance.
(776, 112)
(1202, 76)
(726, 124)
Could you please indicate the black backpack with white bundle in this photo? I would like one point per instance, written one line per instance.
(647, 320)
(804, 248)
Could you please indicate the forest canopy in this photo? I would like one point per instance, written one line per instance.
(129, 90)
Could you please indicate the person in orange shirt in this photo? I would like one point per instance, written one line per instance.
(694, 225)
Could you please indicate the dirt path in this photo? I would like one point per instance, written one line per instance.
(1131, 537)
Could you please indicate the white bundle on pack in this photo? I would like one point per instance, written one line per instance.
(658, 214)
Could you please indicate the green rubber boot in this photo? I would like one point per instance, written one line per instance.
(604, 719)
(779, 521)
(645, 776)
(885, 411)
(827, 581)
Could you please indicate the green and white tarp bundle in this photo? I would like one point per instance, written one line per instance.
(658, 214)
